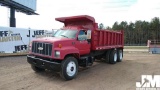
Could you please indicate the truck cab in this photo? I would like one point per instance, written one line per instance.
(77, 40)
(72, 46)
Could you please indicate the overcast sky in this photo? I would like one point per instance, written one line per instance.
(104, 11)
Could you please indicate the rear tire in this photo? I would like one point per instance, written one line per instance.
(107, 56)
(37, 69)
(113, 57)
(69, 68)
(119, 55)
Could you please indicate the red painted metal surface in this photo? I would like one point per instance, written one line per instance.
(83, 21)
(101, 39)
(107, 39)
(76, 18)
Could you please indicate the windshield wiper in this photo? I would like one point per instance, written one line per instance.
(64, 36)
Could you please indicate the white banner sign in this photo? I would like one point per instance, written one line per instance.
(16, 40)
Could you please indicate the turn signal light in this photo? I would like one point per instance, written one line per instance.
(60, 45)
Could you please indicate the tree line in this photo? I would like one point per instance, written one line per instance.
(138, 32)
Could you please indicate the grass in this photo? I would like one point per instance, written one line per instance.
(135, 47)
(12, 54)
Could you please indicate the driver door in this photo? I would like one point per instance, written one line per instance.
(82, 43)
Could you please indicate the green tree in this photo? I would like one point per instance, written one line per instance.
(139, 32)
(155, 28)
(108, 28)
(101, 26)
(115, 26)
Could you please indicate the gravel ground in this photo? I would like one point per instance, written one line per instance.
(16, 74)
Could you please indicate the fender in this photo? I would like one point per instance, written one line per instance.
(66, 50)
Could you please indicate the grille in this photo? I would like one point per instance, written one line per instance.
(42, 48)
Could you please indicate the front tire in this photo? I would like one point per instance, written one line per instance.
(69, 68)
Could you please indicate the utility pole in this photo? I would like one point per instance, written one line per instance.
(12, 17)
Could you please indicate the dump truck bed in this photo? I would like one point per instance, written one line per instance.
(107, 39)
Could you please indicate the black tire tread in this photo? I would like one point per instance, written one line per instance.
(111, 61)
(64, 63)
(107, 56)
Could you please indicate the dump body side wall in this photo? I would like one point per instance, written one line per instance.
(105, 39)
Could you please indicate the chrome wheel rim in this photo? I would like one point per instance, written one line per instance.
(115, 57)
(71, 68)
(120, 55)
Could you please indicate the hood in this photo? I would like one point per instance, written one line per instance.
(52, 39)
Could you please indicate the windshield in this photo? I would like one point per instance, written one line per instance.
(65, 33)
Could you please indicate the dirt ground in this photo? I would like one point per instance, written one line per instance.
(16, 74)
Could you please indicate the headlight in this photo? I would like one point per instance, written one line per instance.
(57, 53)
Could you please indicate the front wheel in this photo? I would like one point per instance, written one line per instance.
(69, 68)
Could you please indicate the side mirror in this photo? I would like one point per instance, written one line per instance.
(89, 35)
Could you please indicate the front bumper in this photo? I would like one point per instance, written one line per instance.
(43, 63)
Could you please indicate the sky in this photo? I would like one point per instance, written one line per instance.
(104, 11)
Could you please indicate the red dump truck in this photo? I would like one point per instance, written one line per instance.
(78, 43)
